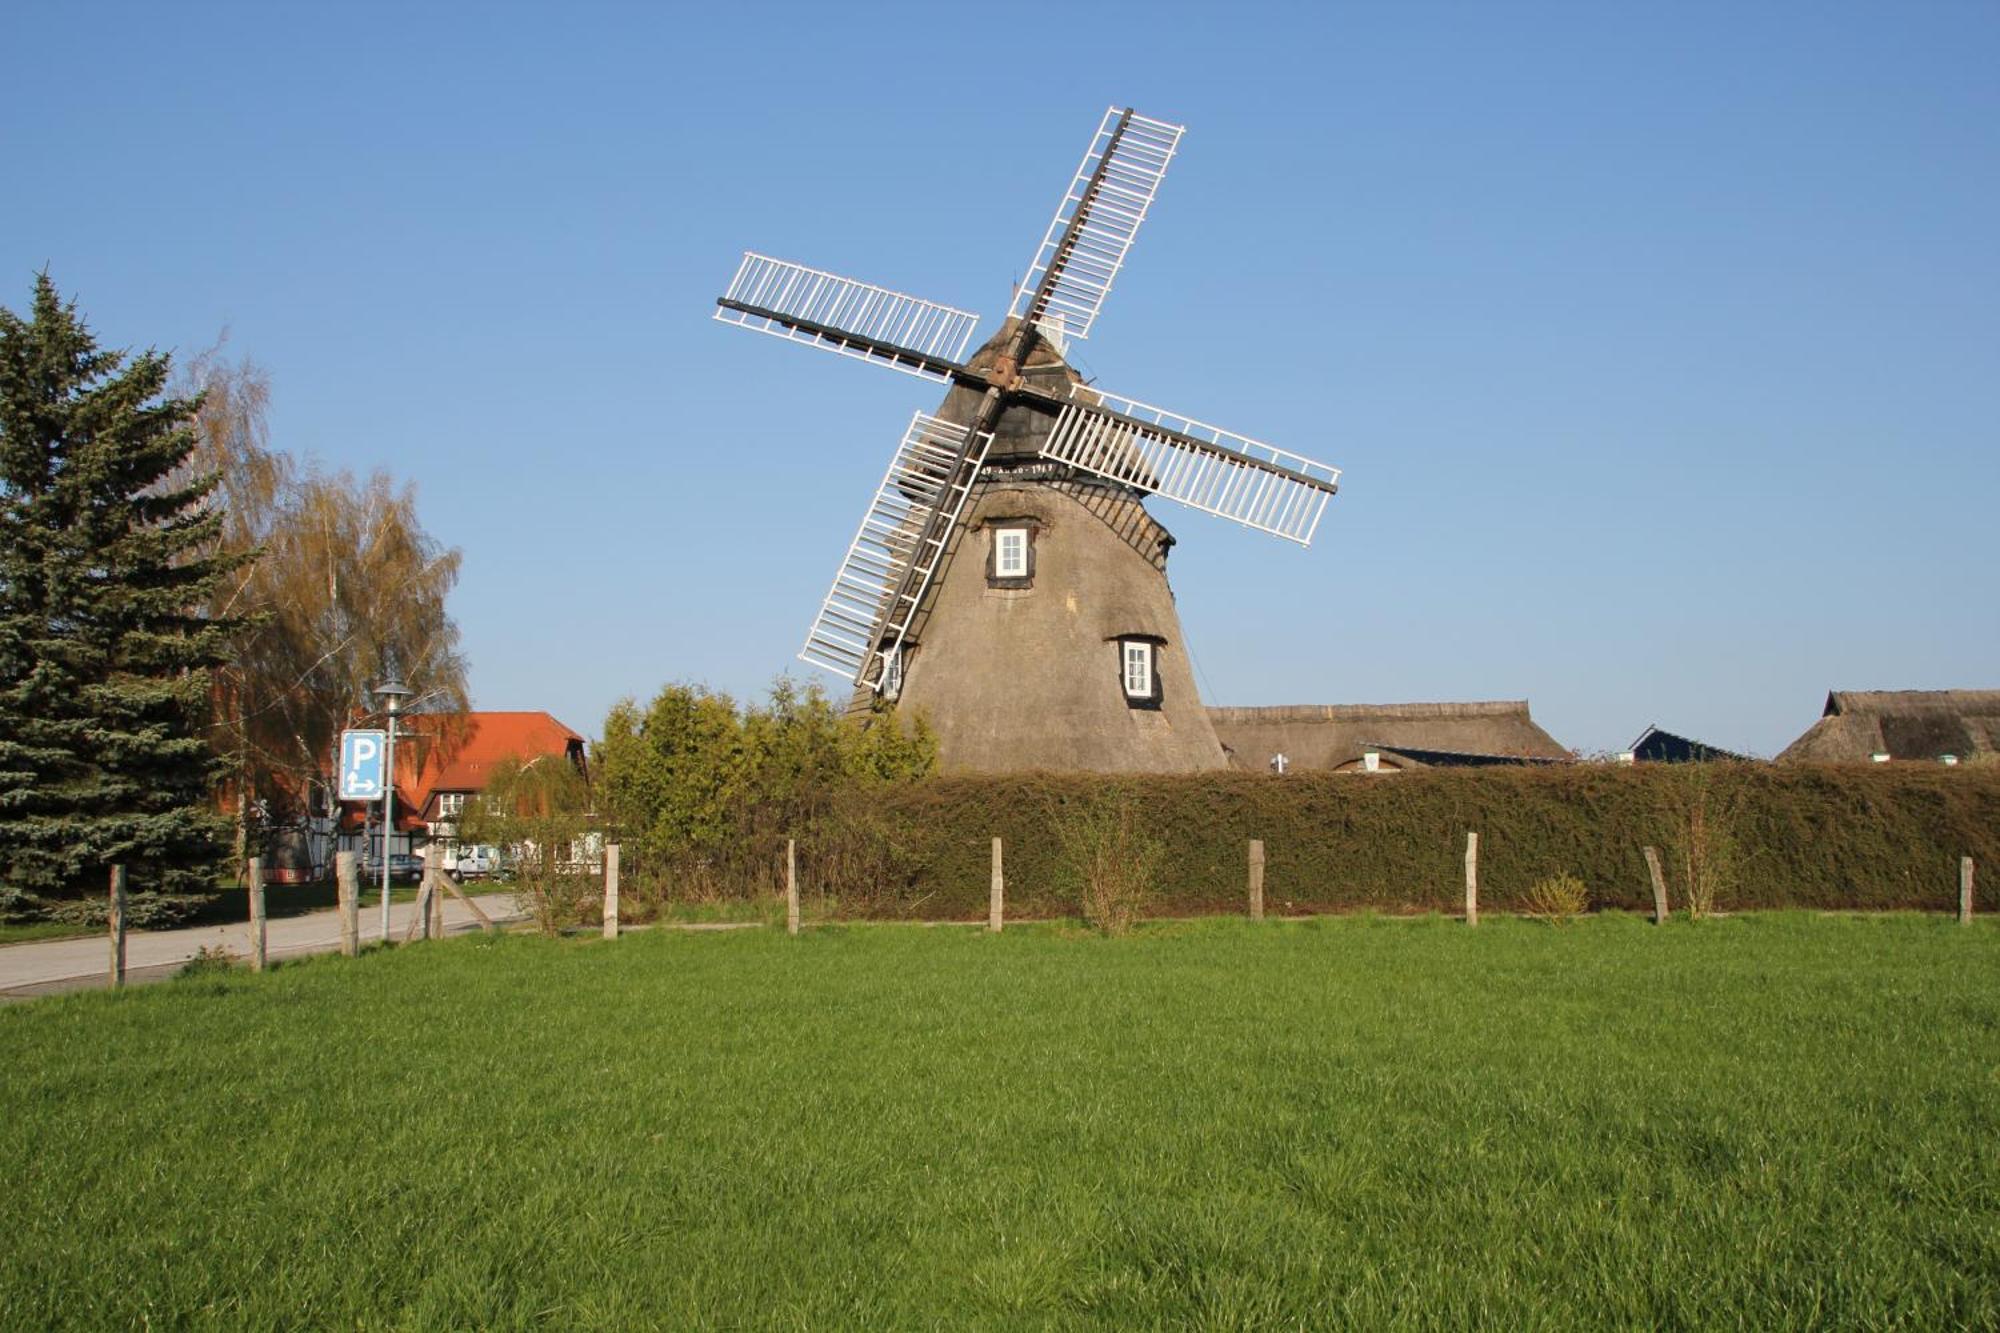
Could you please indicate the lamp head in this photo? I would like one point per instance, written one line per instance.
(392, 692)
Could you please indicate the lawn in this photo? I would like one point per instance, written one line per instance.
(1783, 1121)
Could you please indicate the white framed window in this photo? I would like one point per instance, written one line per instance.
(450, 804)
(892, 674)
(1138, 659)
(1010, 553)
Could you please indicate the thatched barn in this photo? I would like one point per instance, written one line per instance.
(1928, 725)
(1348, 738)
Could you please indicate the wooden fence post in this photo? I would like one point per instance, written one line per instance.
(420, 924)
(611, 891)
(791, 886)
(117, 926)
(436, 878)
(1256, 879)
(996, 896)
(1472, 879)
(1659, 885)
(257, 932)
(1964, 890)
(347, 884)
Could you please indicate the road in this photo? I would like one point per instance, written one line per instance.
(48, 967)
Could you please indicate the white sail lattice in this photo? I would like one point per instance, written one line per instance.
(1133, 163)
(845, 315)
(1245, 480)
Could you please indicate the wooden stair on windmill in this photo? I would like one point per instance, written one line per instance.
(882, 580)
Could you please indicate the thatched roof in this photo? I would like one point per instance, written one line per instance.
(1335, 736)
(1857, 725)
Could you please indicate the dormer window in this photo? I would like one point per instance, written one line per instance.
(1010, 555)
(1138, 670)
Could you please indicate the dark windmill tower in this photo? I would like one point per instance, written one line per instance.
(1006, 580)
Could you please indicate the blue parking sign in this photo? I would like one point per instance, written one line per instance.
(361, 776)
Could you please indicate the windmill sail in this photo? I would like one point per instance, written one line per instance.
(889, 564)
(844, 315)
(1202, 466)
(1096, 222)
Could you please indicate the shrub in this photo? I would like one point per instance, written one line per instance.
(1110, 862)
(1558, 900)
(1705, 840)
(210, 959)
(1871, 837)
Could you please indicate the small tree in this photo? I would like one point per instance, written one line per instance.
(540, 813)
(1705, 840)
(708, 792)
(109, 555)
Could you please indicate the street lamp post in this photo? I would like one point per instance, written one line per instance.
(391, 692)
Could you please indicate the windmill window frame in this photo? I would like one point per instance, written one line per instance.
(1139, 669)
(1018, 569)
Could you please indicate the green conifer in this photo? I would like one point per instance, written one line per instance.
(108, 552)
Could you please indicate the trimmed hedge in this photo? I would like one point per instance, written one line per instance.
(1843, 836)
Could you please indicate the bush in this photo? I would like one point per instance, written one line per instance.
(1558, 900)
(703, 793)
(209, 960)
(1705, 841)
(1820, 836)
(1108, 858)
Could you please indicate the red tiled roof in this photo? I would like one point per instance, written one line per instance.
(488, 739)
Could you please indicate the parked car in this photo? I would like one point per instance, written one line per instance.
(480, 862)
(403, 868)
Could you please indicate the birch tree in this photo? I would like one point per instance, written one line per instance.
(346, 589)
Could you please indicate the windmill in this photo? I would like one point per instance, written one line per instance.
(1006, 579)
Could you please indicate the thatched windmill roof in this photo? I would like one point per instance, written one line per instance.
(1857, 725)
(1336, 736)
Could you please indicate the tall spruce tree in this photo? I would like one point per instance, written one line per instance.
(108, 554)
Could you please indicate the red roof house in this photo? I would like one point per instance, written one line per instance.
(457, 757)
(443, 758)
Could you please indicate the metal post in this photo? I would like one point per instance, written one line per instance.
(388, 811)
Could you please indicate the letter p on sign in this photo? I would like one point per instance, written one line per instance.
(361, 777)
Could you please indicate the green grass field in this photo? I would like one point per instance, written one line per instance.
(1767, 1122)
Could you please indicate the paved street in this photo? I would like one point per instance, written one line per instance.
(46, 967)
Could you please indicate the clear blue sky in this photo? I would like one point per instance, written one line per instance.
(1660, 346)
